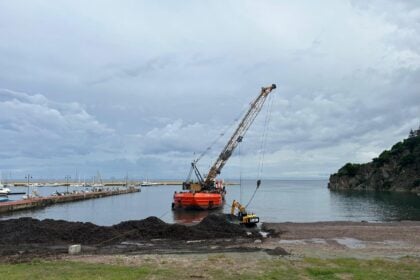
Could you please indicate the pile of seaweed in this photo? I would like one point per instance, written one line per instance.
(33, 231)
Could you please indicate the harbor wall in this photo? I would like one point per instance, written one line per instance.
(40, 202)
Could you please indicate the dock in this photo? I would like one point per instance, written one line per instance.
(42, 184)
(40, 202)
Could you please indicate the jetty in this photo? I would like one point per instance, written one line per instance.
(40, 202)
(41, 184)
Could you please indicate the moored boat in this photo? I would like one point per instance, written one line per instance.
(148, 184)
(4, 190)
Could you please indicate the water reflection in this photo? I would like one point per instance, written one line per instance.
(191, 217)
(380, 206)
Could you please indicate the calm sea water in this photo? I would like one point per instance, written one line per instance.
(275, 201)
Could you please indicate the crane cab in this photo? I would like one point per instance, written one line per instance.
(192, 186)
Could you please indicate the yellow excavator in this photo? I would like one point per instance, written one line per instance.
(243, 216)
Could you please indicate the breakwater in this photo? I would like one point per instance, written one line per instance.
(40, 202)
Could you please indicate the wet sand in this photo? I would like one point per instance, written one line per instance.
(346, 239)
(408, 231)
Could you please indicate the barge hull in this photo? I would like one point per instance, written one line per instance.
(197, 201)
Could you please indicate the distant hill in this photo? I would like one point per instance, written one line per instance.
(395, 170)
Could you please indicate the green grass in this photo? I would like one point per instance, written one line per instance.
(225, 268)
(363, 269)
(76, 270)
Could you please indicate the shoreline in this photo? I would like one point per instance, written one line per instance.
(342, 250)
(334, 239)
(363, 240)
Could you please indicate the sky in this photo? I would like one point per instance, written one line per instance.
(143, 87)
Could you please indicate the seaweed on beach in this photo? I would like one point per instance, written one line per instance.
(33, 231)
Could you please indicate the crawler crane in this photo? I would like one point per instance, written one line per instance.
(208, 193)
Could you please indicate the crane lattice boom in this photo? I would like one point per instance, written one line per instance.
(238, 135)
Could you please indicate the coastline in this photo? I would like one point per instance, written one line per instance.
(341, 250)
(316, 239)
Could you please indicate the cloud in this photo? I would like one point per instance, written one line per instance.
(142, 86)
(33, 126)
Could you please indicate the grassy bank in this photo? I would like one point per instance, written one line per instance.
(216, 267)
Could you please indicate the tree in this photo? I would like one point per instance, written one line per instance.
(412, 134)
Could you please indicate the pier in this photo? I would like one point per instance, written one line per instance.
(105, 183)
(40, 202)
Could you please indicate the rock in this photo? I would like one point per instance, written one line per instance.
(75, 249)
(278, 251)
(395, 170)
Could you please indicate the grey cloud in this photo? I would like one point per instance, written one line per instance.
(33, 126)
(142, 86)
(141, 68)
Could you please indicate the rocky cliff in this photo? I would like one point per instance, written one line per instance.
(395, 170)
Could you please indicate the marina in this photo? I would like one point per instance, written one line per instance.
(114, 183)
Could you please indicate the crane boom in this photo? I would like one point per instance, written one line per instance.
(238, 135)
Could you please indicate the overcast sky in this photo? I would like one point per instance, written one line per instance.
(138, 87)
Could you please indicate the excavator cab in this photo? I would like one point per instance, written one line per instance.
(249, 219)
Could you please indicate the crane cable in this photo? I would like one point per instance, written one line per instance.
(221, 135)
(217, 139)
(262, 147)
(240, 173)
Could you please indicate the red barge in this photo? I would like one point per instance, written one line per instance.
(195, 198)
(209, 193)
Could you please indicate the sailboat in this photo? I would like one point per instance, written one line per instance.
(98, 184)
(4, 190)
(148, 183)
(3, 193)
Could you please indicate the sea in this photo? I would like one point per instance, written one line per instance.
(273, 201)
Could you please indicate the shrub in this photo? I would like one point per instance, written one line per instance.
(407, 160)
(385, 155)
(383, 158)
(412, 143)
(397, 148)
(350, 169)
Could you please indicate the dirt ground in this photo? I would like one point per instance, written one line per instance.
(346, 239)
(408, 231)
(290, 240)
